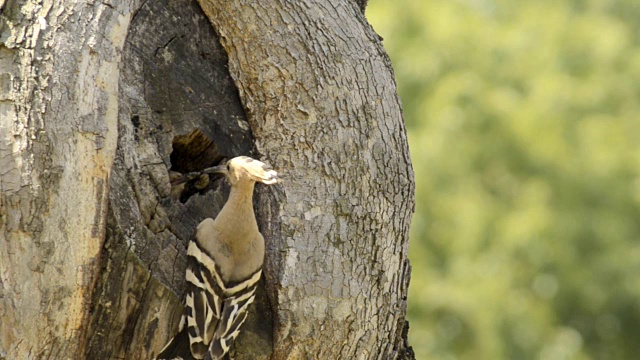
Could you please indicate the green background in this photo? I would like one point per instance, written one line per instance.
(523, 121)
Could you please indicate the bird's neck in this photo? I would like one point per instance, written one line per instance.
(241, 195)
(238, 210)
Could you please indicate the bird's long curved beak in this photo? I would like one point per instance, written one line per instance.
(220, 169)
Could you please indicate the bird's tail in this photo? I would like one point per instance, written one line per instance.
(178, 347)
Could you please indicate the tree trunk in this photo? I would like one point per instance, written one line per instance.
(58, 125)
(98, 101)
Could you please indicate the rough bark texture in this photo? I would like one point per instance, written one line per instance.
(321, 100)
(92, 236)
(58, 133)
(362, 4)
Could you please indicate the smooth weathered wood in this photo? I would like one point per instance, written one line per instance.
(58, 135)
(95, 99)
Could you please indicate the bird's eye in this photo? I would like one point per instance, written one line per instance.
(228, 167)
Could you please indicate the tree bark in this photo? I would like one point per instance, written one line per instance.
(58, 130)
(98, 101)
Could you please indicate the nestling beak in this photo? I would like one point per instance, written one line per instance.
(220, 169)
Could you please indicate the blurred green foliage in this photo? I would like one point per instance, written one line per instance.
(524, 128)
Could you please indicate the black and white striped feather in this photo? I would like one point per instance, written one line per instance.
(214, 310)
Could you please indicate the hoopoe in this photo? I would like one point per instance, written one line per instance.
(224, 264)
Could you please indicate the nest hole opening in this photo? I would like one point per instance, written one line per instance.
(192, 152)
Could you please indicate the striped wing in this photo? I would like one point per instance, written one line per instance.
(234, 313)
(214, 310)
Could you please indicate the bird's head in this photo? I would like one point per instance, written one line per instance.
(243, 168)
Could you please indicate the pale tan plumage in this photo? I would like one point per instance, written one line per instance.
(224, 266)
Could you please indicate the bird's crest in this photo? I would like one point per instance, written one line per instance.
(257, 170)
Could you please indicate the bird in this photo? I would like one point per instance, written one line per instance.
(224, 265)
